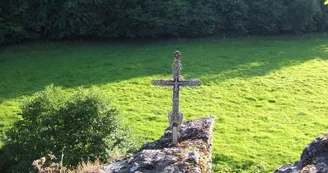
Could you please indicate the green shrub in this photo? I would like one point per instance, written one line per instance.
(83, 126)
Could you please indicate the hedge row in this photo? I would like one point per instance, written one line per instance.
(108, 19)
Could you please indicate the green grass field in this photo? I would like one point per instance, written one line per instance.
(269, 95)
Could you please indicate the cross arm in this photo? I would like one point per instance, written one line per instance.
(189, 83)
(162, 82)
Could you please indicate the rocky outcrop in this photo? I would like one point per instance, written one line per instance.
(314, 159)
(192, 153)
(47, 164)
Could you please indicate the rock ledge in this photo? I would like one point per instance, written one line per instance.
(314, 158)
(192, 154)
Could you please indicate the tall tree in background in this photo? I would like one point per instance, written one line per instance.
(265, 16)
(231, 16)
(63, 18)
(301, 15)
(12, 20)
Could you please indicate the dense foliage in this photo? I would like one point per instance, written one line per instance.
(108, 19)
(83, 126)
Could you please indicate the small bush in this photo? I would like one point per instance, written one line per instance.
(83, 126)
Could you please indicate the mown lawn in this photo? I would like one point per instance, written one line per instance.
(269, 95)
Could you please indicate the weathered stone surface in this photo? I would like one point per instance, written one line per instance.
(47, 164)
(314, 159)
(191, 154)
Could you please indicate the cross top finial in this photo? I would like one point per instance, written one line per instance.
(177, 54)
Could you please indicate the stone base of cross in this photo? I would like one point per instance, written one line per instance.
(175, 116)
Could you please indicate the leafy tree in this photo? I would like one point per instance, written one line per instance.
(12, 20)
(265, 16)
(173, 19)
(301, 15)
(63, 18)
(232, 16)
(82, 126)
(200, 17)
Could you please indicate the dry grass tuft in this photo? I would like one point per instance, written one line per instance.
(88, 167)
(48, 164)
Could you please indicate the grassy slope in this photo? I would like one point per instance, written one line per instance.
(269, 95)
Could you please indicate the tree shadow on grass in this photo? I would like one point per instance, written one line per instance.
(249, 62)
(27, 69)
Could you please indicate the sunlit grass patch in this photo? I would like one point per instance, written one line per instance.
(269, 95)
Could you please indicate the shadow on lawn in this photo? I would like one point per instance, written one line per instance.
(252, 63)
(29, 68)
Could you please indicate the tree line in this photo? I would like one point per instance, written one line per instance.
(110, 19)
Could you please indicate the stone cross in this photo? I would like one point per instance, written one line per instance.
(175, 116)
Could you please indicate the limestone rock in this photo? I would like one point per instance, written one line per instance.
(192, 154)
(314, 159)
